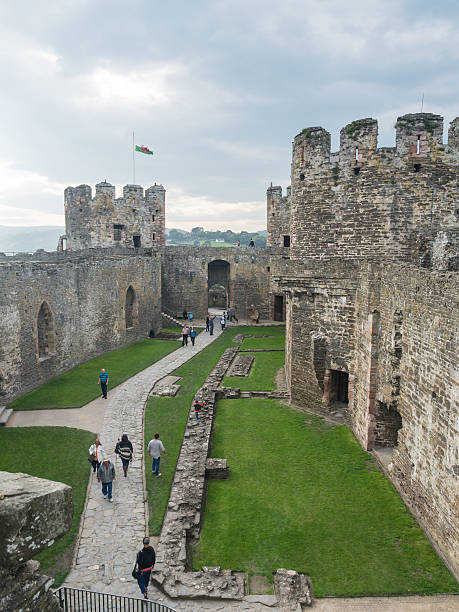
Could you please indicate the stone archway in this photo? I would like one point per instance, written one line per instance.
(46, 338)
(218, 284)
(218, 297)
(131, 308)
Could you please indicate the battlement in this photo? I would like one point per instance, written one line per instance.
(418, 136)
(399, 202)
(136, 219)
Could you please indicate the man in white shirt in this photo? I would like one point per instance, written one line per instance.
(155, 447)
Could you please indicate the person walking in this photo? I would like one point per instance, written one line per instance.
(211, 325)
(223, 321)
(193, 334)
(145, 561)
(106, 475)
(154, 449)
(185, 314)
(97, 453)
(251, 243)
(190, 317)
(197, 408)
(185, 336)
(124, 450)
(207, 323)
(103, 382)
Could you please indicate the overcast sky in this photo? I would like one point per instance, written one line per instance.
(217, 88)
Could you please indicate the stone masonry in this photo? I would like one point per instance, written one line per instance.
(371, 302)
(34, 513)
(86, 295)
(135, 220)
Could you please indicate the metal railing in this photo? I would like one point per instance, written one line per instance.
(81, 600)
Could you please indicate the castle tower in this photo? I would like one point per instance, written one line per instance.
(278, 217)
(365, 202)
(133, 221)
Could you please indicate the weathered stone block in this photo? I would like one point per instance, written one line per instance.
(34, 513)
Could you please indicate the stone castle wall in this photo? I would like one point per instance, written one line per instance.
(278, 216)
(185, 273)
(86, 295)
(405, 366)
(393, 328)
(135, 220)
(396, 203)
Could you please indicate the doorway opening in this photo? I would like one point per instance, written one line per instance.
(218, 284)
(218, 297)
(136, 240)
(339, 384)
(279, 308)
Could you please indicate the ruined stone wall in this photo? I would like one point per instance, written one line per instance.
(396, 203)
(320, 324)
(278, 216)
(185, 278)
(86, 295)
(394, 329)
(107, 221)
(407, 341)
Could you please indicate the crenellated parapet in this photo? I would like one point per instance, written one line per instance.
(365, 201)
(135, 220)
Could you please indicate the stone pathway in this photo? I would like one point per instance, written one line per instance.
(89, 417)
(111, 534)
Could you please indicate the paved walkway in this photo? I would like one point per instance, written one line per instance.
(110, 534)
(89, 417)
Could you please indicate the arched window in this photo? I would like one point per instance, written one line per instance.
(131, 308)
(45, 332)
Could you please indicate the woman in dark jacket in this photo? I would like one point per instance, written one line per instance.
(124, 450)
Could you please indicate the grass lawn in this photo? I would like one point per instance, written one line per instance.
(78, 386)
(262, 375)
(168, 416)
(56, 453)
(277, 342)
(305, 496)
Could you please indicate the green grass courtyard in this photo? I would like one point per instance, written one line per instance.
(79, 386)
(305, 496)
(55, 453)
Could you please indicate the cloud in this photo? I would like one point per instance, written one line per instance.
(106, 87)
(186, 211)
(247, 150)
(24, 187)
(18, 217)
(27, 57)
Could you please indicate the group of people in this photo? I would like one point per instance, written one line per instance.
(102, 465)
(192, 332)
(104, 468)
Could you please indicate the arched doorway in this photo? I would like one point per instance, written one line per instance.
(131, 308)
(218, 297)
(218, 284)
(46, 338)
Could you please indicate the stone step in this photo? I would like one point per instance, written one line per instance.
(5, 414)
(170, 318)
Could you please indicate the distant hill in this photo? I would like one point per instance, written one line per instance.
(29, 239)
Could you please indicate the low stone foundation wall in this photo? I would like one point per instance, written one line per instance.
(182, 522)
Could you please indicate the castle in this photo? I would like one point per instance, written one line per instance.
(361, 262)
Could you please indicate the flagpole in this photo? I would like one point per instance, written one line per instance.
(133, 160)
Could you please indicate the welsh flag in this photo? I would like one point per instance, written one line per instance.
(143, 149)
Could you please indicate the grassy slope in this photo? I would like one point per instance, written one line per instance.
(262, 375)
(305, 496)
(168, 416)
(56, 453)
(78, 386)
